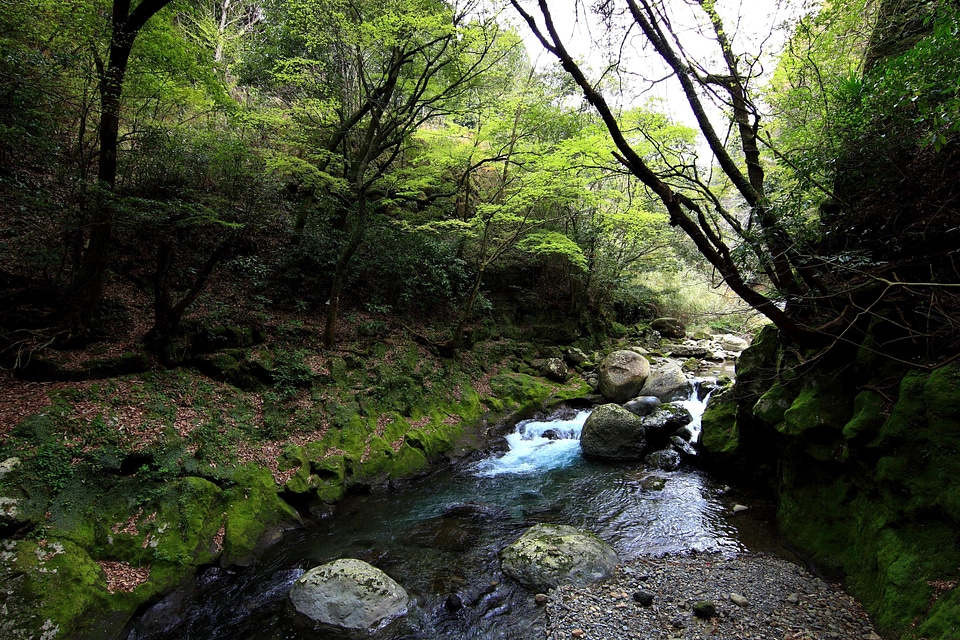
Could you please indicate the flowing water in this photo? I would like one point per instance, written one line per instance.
(440, 537)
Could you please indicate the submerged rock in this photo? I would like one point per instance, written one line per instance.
(665, 459)
(613, 433)
(549, 554)
(622, 374)
(349, 594)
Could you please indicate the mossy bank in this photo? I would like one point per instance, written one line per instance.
(116, 491)
(863, 455)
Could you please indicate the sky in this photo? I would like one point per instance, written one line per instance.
(753, 22)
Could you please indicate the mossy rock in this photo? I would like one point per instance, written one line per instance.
(774, 403)
(868, 416)
(720, 437)
(518, 389)
(252, 507)
(51, 587)
(814, 407)
(234, 367)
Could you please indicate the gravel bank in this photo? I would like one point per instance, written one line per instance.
(755, 597)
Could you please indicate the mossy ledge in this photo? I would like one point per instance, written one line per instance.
(864, 462)
(97, 524)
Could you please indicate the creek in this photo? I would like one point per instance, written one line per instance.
(440, 536)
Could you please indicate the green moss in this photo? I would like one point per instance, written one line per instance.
(719, 435)
(519, 390)
(772, 405)
(408, 462)
(48, 585)
(867, 418)
(252, 506)
(943, 620)
(819, 406)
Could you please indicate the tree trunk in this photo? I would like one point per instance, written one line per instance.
(340, 276)
(87, 288)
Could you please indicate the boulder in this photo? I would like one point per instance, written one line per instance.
(669, 328)
(550, 554)
(622, 374)
(555, 369)
(643, 405)
(349, 594)
(665, 460)
(685, 350)
(667, 383)
(733, 343)
(613, 433)
(665, 421)
(576, 356)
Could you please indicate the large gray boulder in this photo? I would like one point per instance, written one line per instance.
(669, 328)
(613, 433)
(622, 374)
(668, 383)
(349, 594)
(643, 405)
(550, 554)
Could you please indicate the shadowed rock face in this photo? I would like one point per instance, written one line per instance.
(548, 555)
(622, 374)
(349, 594)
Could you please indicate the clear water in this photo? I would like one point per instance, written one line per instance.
(440, 537)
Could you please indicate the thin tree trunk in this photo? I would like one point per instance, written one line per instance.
(87, 288)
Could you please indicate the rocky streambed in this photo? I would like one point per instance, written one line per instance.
(693, 597)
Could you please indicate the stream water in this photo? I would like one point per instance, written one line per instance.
(440, 537)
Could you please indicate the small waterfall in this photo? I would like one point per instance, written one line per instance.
(696, 404)
(537, 445)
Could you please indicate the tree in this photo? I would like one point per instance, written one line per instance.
(126, 23)
(368, 76)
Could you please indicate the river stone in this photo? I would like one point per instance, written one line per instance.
(684, 350)
(665, 460)
(668, 383)
(349, 594)
(555, 369)
(622, 374)
(613, 433)
(576, 356)
(550, 554)
(643, 405)
(669, 328)
(665, 421)
(733, 343)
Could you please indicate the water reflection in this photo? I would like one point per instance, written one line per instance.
(440, 538)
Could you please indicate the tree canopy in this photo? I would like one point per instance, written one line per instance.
(407, 156)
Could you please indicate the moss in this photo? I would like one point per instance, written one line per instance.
(819, 406)
(719, 435)
(252, 506)
(772, 405)
(867, 417)
(943, 620)
(49, 587)
(408, 462)
(519, 390)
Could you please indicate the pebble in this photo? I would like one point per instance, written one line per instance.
(770, 585)
(739, 600)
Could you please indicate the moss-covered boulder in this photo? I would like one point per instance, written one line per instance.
(547, 555)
